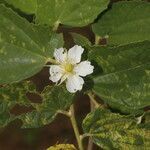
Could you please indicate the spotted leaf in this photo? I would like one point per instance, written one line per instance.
(125, 81)
(10, 96)
(126, 22)
(113, 131)
(24, 47)
(54, 99)
(69, 12)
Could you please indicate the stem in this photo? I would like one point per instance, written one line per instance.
(90, 142)
(83, 136)
(56, 25)
(75, 128)
(71, 115)
(53, 61)
(66, 113)
(93, 104)
(93, 100)
(97, 39)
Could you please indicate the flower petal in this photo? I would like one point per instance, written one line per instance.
(84, 68)
(74, 83)
(60, 55)
(74, 54)
(56, 73)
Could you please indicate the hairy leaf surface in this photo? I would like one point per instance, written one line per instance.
(126, 22)
(69, 12)
(113, 131)
(13, 94)
(125, 82)
(55, 99)
(24, 47)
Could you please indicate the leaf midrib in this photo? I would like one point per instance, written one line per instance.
(21, 29)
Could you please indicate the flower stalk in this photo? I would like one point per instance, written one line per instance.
(94, 104)
(56, 25)
(71, 115)
(75, 128)
(52, 61)
(97, 39)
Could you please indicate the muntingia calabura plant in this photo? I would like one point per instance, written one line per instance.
(110, 64)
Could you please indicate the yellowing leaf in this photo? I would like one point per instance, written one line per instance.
(62, 147)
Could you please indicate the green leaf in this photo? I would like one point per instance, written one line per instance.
(124, 85)
(54, 99)
(2, 1)
(113, 131)
(80, 40)
(27, 6)
(13, 94)
(62, 147)
(24, 47)
(126, 22)
(69, 12)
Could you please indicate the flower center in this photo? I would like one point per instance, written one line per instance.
(68, 67)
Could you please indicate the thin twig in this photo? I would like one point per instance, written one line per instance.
(66, 113)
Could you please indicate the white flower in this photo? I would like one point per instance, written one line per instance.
(70, 68)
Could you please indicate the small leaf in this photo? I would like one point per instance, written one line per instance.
(27, 6)
(124, 85)
(113, 131)
(62, 147)
(24, 47)
(126, 22)
(54, 99)
(80, 40)
(69, 12)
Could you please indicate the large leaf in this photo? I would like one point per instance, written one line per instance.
(28, 6)
(69, 12)
(125, 82)
(13, 94)
(113, 131)
(54, 99)
(24, 48)
(126, 22)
